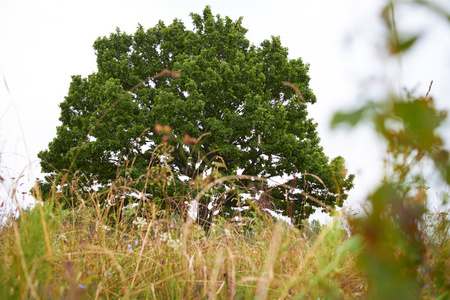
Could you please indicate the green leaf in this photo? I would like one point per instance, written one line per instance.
(355, 245)
(351, 118)
(403, 45)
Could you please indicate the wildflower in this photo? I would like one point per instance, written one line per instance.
(174, 244)
(136, 243)
(82, 286)
(163, 237)
(141, 223)
(130, 248)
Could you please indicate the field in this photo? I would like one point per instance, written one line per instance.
(145, 251)
(153, 254)
(119, 242)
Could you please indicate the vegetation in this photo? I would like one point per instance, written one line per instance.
(106, 247)
(224, 90)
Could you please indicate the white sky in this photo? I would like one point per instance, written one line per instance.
(43, 43)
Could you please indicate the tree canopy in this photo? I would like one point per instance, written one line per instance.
(228, 88)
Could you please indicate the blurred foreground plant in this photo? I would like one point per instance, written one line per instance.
(395, 252)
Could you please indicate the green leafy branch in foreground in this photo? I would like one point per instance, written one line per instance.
(399, 260)
(395, 250)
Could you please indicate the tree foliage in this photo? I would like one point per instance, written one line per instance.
(228, 88)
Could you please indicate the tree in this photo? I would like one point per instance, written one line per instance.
(228, 88)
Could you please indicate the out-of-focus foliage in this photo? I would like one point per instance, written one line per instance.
(401, 256)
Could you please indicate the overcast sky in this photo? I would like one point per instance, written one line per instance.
(43, 43)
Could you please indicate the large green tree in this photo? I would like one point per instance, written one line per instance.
(228, 88)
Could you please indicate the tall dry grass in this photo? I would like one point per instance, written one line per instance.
(80, 253)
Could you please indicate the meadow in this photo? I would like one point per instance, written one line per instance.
(153, 254)
(122, 243)
(106, 247)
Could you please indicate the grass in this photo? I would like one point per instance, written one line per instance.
(79, 253)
